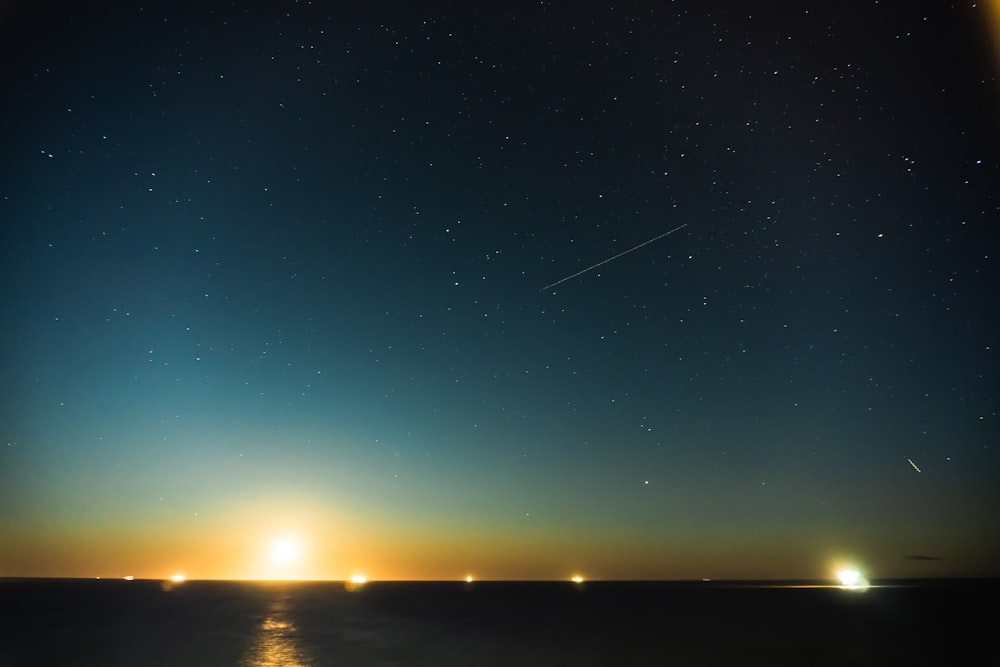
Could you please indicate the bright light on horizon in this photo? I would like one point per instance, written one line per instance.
(577, 579)
(852, 580)
(359, 579)
(178, 578)
(285, 551)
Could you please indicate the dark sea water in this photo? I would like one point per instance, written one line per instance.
(118, 623)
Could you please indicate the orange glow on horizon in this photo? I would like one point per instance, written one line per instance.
(285, 551)
(285, 541)
(993, 25)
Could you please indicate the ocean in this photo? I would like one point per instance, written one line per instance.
(135, 623)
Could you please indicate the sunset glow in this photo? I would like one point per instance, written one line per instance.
(285, 551)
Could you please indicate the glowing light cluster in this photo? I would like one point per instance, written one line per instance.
(852, 580)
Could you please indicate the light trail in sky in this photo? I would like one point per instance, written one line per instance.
(914, 465)
(613, 258)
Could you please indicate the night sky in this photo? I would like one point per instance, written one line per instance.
(276, 271)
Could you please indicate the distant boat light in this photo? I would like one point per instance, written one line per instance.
(852, 580)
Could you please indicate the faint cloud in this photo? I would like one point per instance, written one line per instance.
(921, 557)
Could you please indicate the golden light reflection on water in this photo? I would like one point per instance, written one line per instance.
(275, 643)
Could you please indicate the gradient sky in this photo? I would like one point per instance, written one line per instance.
(275, 270)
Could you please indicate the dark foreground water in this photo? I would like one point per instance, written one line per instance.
(112, 623)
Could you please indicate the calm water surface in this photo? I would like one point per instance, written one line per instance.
(117, 623)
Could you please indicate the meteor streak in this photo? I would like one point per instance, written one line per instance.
(611, 259)
(914, 465)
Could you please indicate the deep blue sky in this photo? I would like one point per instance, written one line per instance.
(277, 269)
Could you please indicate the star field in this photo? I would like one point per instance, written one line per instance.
(341, 271)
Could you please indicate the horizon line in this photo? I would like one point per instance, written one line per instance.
(820, 581)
